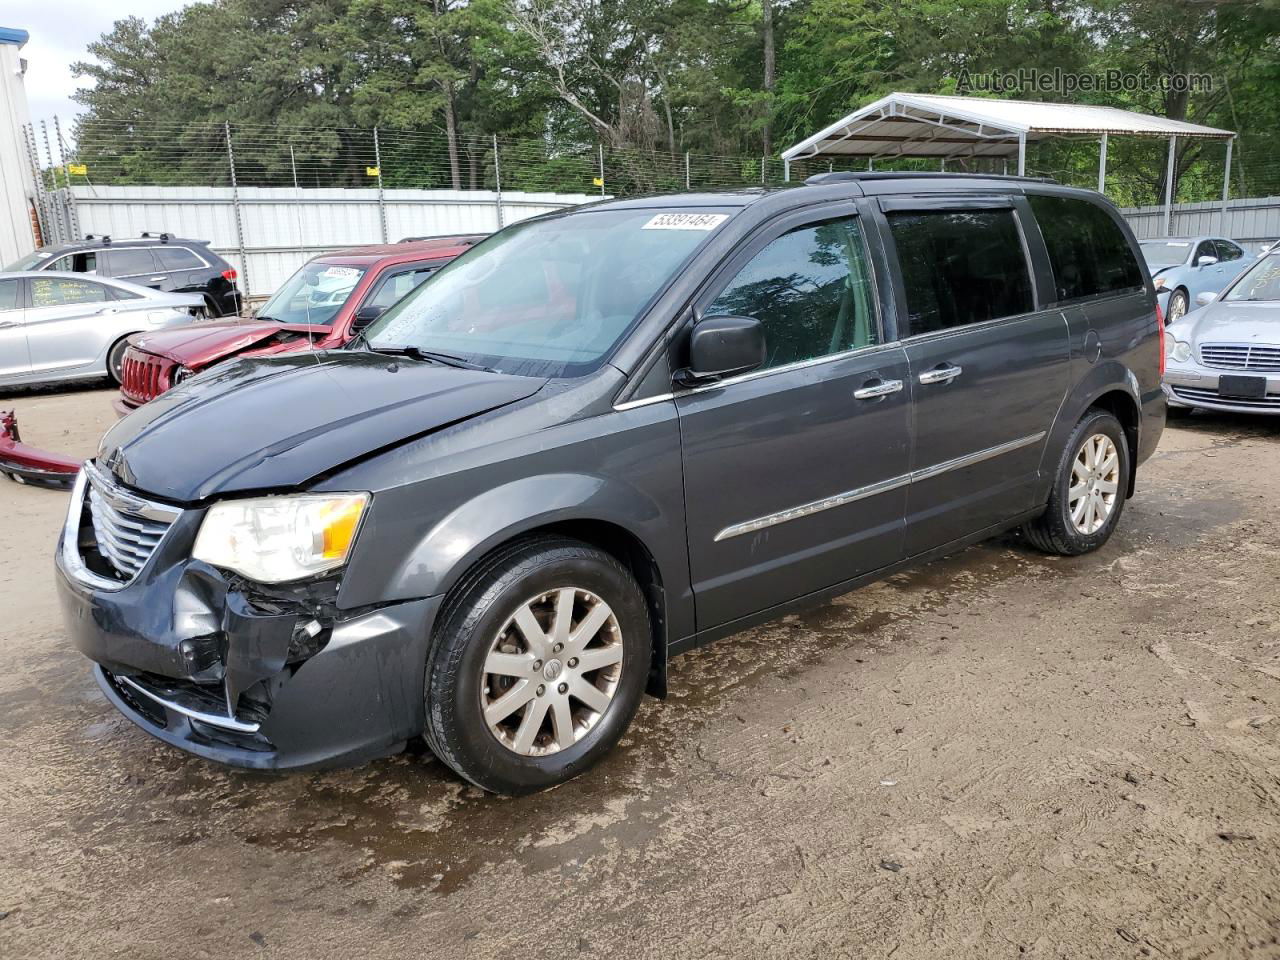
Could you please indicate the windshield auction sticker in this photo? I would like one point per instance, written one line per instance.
(686, 221)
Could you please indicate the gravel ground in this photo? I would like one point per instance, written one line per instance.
(997, 755)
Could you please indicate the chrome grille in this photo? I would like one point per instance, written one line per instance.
(1241, 356)
(126, 528)
(1195, 395)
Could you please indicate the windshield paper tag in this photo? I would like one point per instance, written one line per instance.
(341, 272)
(686, 221)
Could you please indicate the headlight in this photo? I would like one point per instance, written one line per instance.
(179, 374)
(276, 539)
(1181, 351)
(1159, 283)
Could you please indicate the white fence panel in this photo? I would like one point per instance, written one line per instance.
(1249, 221)
(283, 227)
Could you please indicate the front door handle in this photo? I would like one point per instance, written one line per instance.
(941, 374)
(878, 388)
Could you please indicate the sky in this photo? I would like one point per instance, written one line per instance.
(60, 32)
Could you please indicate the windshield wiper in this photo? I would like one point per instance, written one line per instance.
(269, 319)
(431, 356)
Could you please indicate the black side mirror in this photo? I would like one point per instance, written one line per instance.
(365, 316)
(722, 347)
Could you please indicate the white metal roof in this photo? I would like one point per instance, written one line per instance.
(916, 124)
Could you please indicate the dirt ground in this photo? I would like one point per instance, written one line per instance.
(998, 755)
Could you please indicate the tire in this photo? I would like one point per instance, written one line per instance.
(478, 629)
(1056, 531)
(115, 360)
(1178, 304)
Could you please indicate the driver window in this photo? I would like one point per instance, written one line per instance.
(1205, 249)
(811, 290)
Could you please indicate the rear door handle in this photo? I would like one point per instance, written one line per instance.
(878, 388)
(941, 374)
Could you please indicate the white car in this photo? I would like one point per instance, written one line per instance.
(1226, 356)
(69, 326)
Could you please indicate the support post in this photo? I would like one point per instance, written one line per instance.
(764, 163)
(1168, 186)
(1022, 154)
(1226, 190)
(297, 205)
(600, 150)
(235, 206)
(382, 205)
(686, 171)
(497, 179)
(73, 212)
(1102, 165)
(786, 171)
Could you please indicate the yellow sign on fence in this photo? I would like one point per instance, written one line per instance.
(373, 171)
(79, 169)
(597, 182)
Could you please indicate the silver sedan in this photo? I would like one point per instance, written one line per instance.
(1227, 355)
(70, 326)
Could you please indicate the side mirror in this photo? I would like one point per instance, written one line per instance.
(1206, 261)
(723, 346)
(365, 316)
(1205, 298)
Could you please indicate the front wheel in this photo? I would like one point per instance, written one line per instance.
(1088, 490)
(1178, 304)
(538, 665)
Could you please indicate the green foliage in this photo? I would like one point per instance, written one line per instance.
(304, 82)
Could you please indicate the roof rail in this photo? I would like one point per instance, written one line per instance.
(105, 238)
(848, 176)
(148, 234)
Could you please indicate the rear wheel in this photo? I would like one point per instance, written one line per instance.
(538, 666)
(1088, 490)
(115, 361)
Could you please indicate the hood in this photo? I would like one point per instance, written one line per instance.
(278, 422)
(198, 344)
(1232, 322)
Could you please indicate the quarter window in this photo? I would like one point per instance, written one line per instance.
(810, 289)
(131, 263)
(1089, 254)
(960, 267)
(59, 291)
(178, 258)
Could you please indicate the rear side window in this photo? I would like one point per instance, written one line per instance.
(178, 258)
(1228, 250)
(59, 291)
(131, 263)
(1089, 254)
(810, 289)
(960, 267)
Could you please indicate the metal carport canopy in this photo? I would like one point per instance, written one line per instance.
(946, 127)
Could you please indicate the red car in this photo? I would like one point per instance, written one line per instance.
(324, 305)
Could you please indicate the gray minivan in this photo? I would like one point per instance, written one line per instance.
(599, 438)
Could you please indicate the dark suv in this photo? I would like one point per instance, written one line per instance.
(155, 260)
(599, 438)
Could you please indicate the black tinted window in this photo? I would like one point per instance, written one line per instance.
(131, 263)
(960, 267)
(1089, 254)
(9, 290)
(1228, 250)
(178, 258)
(811, 290)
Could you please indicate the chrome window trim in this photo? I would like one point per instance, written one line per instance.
(881, 486)
(212, 719)
(162, 268)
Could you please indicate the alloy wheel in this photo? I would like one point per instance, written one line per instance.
(1177, 307)
(1095, 484)
(551, 672)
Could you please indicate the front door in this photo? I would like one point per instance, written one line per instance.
(795, 474)
(15, 359)
(988, 371)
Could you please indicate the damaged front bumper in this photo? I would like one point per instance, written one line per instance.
(27, 464)
(234, 673)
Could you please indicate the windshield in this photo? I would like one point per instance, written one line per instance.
(1259, 282)
(314, 294)
(30, 262)
(548, 297)
(1165, 253)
